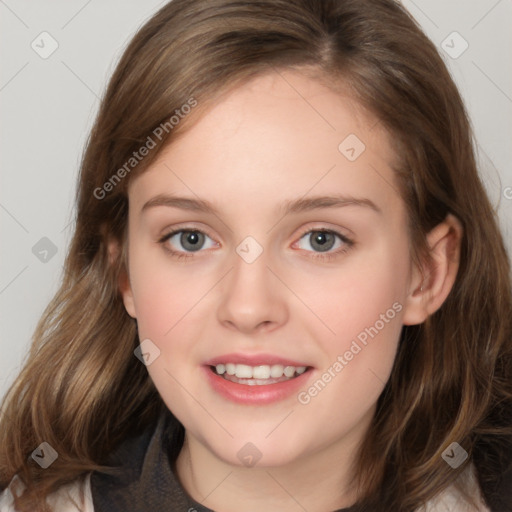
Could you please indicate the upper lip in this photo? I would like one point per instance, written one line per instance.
(253, 360)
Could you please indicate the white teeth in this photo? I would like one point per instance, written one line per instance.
(277, 371)
(261, 372)
(243, 371)
(289, 371)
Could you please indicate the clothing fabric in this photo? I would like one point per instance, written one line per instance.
(147, 483)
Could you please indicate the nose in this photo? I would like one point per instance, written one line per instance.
(252, 297)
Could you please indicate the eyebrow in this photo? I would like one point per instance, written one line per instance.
(289, 206)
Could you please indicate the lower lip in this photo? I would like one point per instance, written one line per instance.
(255, 395)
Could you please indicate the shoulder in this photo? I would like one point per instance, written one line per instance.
(451, 499)
(66, 499)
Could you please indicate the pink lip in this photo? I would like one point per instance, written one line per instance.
(253, 360)
(255, 395)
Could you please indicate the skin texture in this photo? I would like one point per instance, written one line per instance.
(263, 144)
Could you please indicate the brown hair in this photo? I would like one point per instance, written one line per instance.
(81, 388)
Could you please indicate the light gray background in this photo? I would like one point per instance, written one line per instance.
(48, 106)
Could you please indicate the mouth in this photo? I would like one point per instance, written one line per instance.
(251, 379)
(261, 375)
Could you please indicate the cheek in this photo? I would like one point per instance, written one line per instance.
(167, 302)
(362, 307)
(354, 297)
(164, 291)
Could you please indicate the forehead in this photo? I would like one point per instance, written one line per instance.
(281, 133)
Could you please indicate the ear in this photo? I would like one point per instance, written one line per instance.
(114, 252)
(431, 284)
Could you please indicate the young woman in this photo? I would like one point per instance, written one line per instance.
(286, 289)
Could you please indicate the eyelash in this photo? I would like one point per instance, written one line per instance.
(328, 256)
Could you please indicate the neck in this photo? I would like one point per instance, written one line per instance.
(317, 482)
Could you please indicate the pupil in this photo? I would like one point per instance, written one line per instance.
(322, 239)
(191, 240)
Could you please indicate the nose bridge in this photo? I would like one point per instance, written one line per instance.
(251, 296)
(250, 275)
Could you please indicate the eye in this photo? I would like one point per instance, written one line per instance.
(320, 240)
(323, 240)
(191, 240)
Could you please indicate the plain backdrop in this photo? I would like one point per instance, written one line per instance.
(48, 104)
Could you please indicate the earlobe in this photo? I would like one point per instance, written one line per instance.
(431, 285)
(124, 285)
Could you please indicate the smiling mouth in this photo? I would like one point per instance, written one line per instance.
(261, 375)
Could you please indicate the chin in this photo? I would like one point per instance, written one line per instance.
(255, 452)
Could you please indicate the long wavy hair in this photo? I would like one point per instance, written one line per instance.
(81, 388)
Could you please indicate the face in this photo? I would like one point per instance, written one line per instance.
(237, 264)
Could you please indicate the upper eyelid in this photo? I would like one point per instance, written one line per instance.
(328, 230)
(173, 231)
